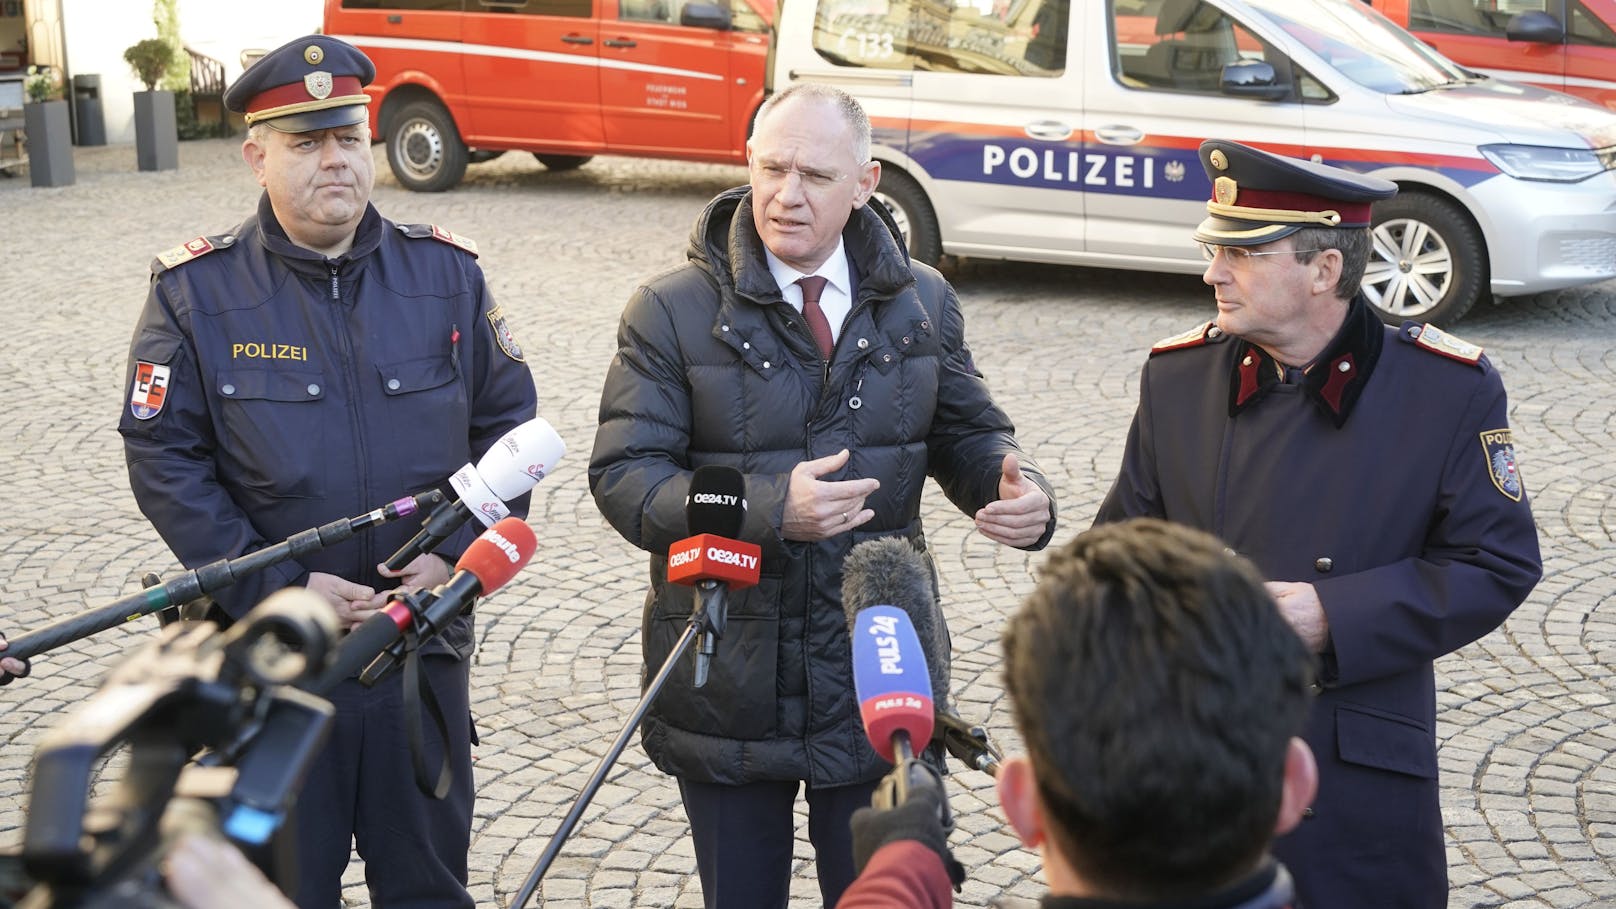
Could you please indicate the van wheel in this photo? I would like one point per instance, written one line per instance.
(563, 162)
(424, 148)
(1428, 261)
(909, 206)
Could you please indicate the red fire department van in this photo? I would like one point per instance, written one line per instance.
(1566, 45)
(461, 81)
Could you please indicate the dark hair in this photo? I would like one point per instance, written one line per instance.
(1354, 243)
(1157, 688)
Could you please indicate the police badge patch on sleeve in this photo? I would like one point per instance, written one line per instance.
(1499, 445)
(502, 335)
(150, 390)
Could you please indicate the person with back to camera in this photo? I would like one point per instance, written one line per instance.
(310, 364)
(1160, 694)
(1370, 474)
(800, 346)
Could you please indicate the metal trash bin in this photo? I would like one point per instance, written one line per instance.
(92, 125)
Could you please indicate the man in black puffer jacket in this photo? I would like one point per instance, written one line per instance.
(835, 405)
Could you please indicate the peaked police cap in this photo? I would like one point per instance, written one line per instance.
(315, 82)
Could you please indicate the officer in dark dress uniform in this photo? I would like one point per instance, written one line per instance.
(1368, 472)
(312, 363)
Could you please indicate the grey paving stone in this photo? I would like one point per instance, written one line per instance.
(1527, 714)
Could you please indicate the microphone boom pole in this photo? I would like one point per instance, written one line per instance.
(209, 578)
(531, 885)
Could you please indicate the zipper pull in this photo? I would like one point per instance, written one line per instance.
(336, 287)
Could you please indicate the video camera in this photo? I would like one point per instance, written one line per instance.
(233, 695)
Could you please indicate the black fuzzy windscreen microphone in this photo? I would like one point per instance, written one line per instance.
(890, 572)
(716, 503)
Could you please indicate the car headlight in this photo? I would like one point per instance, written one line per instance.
(1536, 162)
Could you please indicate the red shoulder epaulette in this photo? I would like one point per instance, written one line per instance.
(189, 250)
(1204, 333)
(454, 239)
(1437, 341)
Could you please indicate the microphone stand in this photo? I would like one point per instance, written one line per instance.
(707, 623)
(209, 578)
(708, 620)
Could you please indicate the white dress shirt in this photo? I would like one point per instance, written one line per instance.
(836, 301)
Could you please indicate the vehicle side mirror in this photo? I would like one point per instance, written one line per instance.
(705, 15)
(1253, 79)
(1536, 26)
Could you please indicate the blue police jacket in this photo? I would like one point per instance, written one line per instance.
(272, 390)
(1387, 479)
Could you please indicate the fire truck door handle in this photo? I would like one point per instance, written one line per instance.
(394, 19)
(577, 39)
(1119, 135)
(619, 42)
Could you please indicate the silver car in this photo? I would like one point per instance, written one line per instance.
(1066, 131)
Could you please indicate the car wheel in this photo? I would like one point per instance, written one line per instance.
(424, 148)
(909, 206)
(1428, 263)
(563, 162)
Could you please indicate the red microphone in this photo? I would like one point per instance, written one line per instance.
(489, 563)
(709, 560)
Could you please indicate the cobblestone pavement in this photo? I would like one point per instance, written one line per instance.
(1527, 718)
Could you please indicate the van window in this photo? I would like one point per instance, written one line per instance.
(575, 8)
(1466, 17)
(443, 5)
(1180, 45)
(743, 18)
(991, 37)
(1585, 28)
(1363, 46)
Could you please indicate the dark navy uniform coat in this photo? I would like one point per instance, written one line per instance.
(294, 390)
(1387, 479)
(273, 390)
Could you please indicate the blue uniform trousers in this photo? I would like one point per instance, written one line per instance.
(362, 790)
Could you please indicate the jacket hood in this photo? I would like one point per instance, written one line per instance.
(725, 243)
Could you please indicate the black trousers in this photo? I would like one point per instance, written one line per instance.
(744, 836)
(362, 791)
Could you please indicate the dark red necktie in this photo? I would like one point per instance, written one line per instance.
(812, 287)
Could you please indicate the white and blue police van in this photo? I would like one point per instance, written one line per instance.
(1066, 131)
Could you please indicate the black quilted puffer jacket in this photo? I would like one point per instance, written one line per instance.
(714, 367)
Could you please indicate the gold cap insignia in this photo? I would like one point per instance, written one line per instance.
(1225, 189)
(313, 54)
(318, 85)
(1219, 159)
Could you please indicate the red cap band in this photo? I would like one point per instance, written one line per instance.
(298, 93)
(1351, 212)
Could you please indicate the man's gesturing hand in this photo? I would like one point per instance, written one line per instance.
(1020, 515)
(819, 509)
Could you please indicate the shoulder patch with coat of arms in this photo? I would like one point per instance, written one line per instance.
(502, 334)
(189, 251)
(1499, 447)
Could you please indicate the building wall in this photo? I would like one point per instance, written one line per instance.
(98, 31)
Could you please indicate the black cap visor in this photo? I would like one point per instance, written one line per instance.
(310, 121)
(1222, 231)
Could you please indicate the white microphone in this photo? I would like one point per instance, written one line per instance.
(511, 466)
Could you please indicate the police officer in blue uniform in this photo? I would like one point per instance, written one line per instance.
(1368, 472)
(310, 364)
